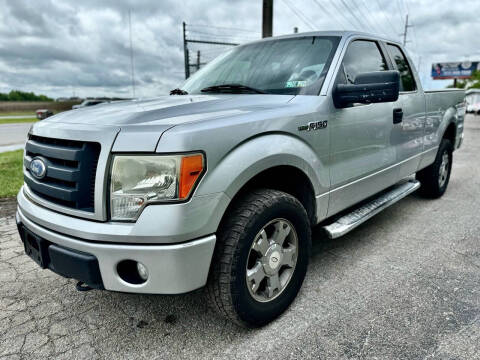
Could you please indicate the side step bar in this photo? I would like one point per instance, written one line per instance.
(358, 216)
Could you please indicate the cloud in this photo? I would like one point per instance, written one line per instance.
(61, 47)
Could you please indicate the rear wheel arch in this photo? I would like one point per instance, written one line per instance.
(435, 177)
(450, 133)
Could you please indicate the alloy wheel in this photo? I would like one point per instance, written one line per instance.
(272, 260)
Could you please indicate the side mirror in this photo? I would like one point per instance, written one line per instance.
(372, 87)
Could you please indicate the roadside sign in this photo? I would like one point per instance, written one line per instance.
(454, 70)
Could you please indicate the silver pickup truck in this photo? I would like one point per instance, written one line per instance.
(219, 184)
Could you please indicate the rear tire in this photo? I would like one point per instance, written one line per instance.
(261, 258)
(435, 178)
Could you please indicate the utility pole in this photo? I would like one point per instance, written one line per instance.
(198, 60)
(131, 52)
(267, 18)
(405, 31)
(185, 52)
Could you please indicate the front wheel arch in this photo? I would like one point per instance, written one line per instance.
(286, 178)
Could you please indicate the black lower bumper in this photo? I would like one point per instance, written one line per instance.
(66, 262)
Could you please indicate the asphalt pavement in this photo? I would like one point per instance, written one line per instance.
(404, 285)
(13, 136)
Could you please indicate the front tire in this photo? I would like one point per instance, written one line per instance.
(435, 178)
(261, 258)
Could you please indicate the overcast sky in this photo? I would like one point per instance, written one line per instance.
(66, 47)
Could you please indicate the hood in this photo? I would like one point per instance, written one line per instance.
(168, 111)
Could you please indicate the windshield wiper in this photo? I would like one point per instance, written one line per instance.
(232, 88)
(178, 91)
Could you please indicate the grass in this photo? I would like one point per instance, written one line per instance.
(15, 121)
(11, 173)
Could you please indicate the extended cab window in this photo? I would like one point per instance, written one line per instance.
(362, 56)
(407, 81)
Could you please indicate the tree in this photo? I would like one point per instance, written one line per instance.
(475, 80)
(472, 83)
(17, 95)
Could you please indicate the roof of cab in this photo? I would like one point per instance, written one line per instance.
(329, 33)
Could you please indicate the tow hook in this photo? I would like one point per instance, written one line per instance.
(81, 286)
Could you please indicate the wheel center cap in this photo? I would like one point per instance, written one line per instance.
(274, 259)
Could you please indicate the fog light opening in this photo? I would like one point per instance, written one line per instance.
(132, 272)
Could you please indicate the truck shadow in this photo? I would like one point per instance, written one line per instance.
(185, 315)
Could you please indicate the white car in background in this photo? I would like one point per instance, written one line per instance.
(473, 108)
(86, 103)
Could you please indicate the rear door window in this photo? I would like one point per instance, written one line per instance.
(407, 81)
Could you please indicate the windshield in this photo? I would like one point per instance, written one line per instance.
(285, 66)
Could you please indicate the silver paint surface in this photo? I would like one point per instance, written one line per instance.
(358, 154)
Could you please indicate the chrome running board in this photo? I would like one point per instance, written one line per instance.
(361, 214)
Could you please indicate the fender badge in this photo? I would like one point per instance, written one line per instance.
(314, 125)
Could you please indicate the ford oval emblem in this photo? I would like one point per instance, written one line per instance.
(38, 168)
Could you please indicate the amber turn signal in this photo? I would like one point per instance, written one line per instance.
(190, 171)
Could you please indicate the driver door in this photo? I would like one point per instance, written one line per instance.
(361, 156)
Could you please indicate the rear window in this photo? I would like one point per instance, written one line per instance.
(407, 81)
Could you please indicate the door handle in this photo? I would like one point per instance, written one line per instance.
(397, 116)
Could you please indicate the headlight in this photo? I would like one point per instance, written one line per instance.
(139, 180)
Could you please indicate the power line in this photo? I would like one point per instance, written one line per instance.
(221, 36)
(387, 17)
(329, 13)
(404, 7)
(383, 30)
(299, 14)
(211, 42)
(354, 16)
(131, 52)
(223, 28)
(400, 13)
(205, 38)
(360, 12)
(341, 12)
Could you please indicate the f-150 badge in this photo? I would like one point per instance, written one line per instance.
(314, 125)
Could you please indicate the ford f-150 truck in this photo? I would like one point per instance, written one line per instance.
(218, 184)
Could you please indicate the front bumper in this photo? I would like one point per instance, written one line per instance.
(173, 268)
(157, 224)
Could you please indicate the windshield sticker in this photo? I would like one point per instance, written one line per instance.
(294, 84)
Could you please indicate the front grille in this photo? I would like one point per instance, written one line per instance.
(71, 166)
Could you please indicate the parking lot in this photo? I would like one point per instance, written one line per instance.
(404, 285)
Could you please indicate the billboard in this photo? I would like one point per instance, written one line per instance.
(454, 70)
